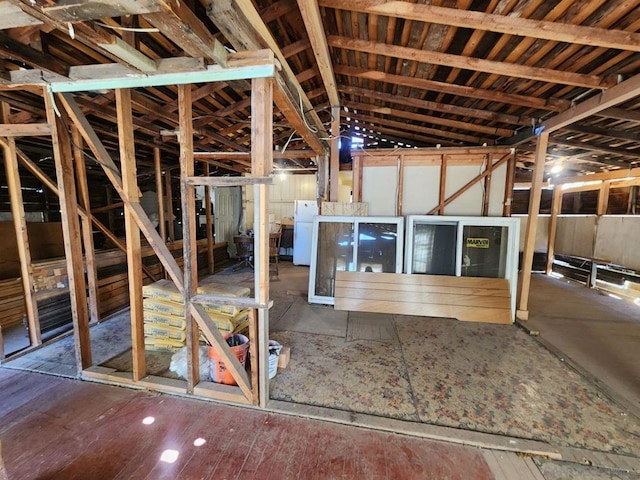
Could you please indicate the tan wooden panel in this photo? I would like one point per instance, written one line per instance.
(464, 298)
(415, 279)
(463, 313)
(392, 287)
(426, 298)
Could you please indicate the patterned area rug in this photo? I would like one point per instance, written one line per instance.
(488, 378)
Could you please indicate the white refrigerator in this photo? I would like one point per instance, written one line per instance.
(303, 215)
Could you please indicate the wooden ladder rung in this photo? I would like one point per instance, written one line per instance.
(209, 298)
(228, 181)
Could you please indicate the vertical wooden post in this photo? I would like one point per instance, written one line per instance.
(356, 193)
(71, 231)
(532, 225)
(487, 186)
(22, 238)
(209, 216)
(603, 197)
(189, 246)
(443, 184)
(508, 186)
(633, 199)
(169, 193)
(556, 208)
(158, 171)
(261, 165)
(334, 164)
(400, 185)
(87, 226)
(134, 252)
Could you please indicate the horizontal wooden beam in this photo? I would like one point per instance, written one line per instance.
(540, 74)
(554, 104)
(245, 65)
(228, 181)
(511, 25)
(630, 173)
(24, 129)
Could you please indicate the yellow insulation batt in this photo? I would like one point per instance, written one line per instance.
(162, 332)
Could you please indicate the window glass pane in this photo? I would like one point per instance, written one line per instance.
(335, 254)
(377, 247)
(434, 249)
(484, 251)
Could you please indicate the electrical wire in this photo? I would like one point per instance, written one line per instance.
(129, 29)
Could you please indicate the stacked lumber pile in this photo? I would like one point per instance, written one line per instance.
(12, 307)
(164, 315)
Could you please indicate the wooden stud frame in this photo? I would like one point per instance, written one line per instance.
(262, 165)
(492, 157)
(20, 224)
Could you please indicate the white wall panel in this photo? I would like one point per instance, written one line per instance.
(379, 189)
(496, 191)
(470, 202)
(421, 189)
(617, 241)
(574, 235)
(542, 232)
(284, 191)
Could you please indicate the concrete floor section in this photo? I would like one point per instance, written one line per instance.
(599, 334)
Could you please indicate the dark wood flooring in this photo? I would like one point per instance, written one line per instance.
(56, 428)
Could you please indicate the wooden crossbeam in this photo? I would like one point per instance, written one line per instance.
(24, 130)
(71, 232)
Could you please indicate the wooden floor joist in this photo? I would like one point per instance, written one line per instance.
(470, 299)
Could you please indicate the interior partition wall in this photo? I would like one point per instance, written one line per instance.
(464, 246)
(352, 244)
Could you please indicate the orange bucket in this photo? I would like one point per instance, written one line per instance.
(218, 372)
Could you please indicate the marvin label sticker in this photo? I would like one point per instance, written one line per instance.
(477, 242)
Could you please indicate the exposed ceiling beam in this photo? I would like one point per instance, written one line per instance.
(511, 25)
(11, 49)
(545, 75)
(80, 11)
(413, 128)
(12, 16)
(242, 25)
(552, 104)
(617, 134)
(616, 95)
(428, 105)
(596, 148)
(379, 125)
(444, 122)
(621, 114)
(315, 29)
(178, 22)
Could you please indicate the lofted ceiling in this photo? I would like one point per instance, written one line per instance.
(398, 74)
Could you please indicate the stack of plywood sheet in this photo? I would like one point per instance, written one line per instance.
(470, 299)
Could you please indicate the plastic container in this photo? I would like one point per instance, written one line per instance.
(274, 355)
(218, 372)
